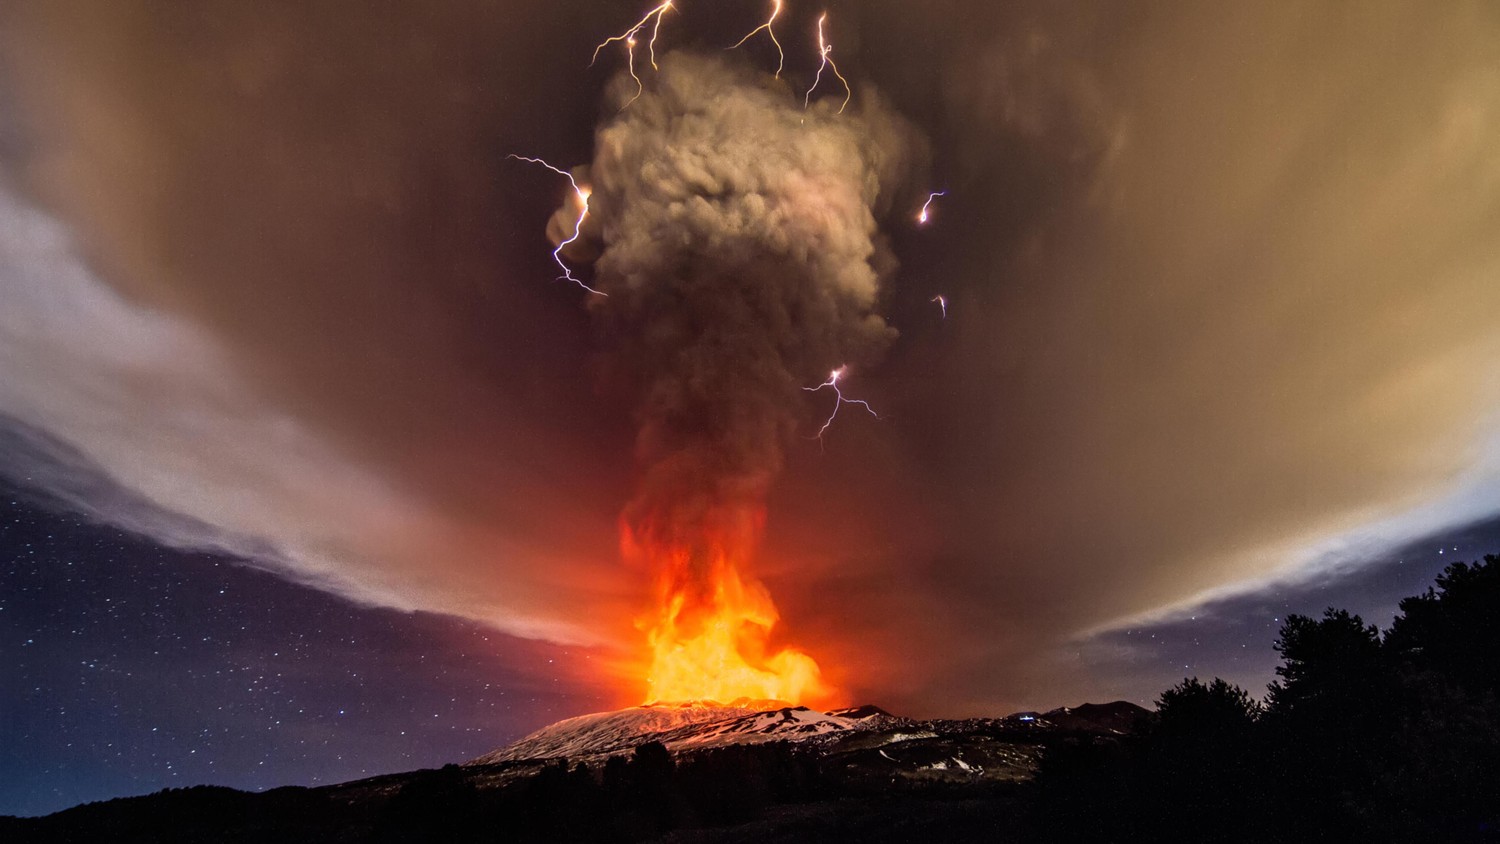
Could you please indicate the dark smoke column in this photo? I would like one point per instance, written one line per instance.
(737, 240)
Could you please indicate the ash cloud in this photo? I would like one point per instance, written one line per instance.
(1221, 295)
(135, 418)
(739, 247)
(250, 275)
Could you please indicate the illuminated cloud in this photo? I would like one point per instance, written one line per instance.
(140, 420)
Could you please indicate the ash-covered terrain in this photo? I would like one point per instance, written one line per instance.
(698, 771)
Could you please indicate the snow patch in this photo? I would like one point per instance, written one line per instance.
(677, 725)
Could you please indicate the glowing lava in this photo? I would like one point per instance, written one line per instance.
(709, 634)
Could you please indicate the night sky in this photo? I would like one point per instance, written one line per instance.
(130, 667)
(312, 469)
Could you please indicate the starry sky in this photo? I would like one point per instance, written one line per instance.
(131, 667)
(296, 427)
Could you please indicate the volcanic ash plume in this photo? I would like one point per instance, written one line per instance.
(735, 237)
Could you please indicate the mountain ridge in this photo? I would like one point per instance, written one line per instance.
(698, 725)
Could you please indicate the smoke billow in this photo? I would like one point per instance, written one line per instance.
(741, 257)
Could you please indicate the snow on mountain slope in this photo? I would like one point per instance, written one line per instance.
(605, 732)
(676, 725)
(792, 723)
(856, 745)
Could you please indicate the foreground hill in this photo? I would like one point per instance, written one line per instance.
(709, 771)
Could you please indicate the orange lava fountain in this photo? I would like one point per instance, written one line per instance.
(709, 633)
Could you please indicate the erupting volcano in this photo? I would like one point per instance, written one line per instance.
(735, 246)
(709, 634)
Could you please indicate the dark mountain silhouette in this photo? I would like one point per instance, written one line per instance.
(1119, 717)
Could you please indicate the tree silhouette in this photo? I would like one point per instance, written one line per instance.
(1446, 644)
(1329, 666)
(1216, 711)
(1329, 720)
(1363, 738)
(1454, 631)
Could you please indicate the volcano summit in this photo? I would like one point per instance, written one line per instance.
(682, 726)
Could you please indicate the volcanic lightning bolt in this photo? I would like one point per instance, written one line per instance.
(824, 51)
(629, 37)
(925, 214)
(840, 399)
(942, 302)
(781, 56)
(582, 195)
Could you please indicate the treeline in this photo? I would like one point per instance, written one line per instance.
(632, 798)
(1365, 737)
